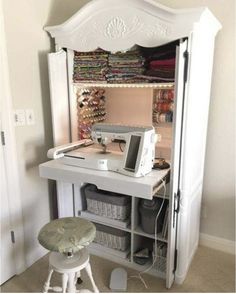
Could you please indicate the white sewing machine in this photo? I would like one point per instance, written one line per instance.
(135, 160)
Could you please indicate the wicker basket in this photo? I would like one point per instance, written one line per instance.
(112, 238)
(107, 204)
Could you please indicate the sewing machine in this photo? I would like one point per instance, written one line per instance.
(135, 160)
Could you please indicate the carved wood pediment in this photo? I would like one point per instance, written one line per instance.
(118, 25)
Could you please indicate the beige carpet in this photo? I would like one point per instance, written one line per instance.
(210, 271)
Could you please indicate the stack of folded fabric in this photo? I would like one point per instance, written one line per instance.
(160, 63)
(161, 70)
(90, 67)
(125, 67)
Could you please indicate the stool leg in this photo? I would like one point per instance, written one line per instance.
(47, 283)
(64, 282)
(71, 284)
(89, 272)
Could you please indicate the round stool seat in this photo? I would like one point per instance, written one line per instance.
(69, 234)
(75, 263)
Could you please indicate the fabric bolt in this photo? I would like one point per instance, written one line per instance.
(138, 65)
(124, 67)
(90, 67)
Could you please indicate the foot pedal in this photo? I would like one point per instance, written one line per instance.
(118, 281)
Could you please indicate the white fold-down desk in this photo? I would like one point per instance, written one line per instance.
(143, 187)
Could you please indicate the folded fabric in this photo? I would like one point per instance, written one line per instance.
(164, 62)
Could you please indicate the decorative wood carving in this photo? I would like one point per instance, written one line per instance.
(118, 25)
(117, 28)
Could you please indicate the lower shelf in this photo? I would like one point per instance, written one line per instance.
(140, 232)
(106, 253)
(110, 251)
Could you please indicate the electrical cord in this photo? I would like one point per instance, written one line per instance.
(155, 258)
(121, 149)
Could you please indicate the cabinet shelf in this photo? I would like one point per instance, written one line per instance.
(140, 232)
(113, 252)
(138, 85)
(163, 125)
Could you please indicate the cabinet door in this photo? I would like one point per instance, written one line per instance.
(57, 64)
(176, 160)
(58, 81)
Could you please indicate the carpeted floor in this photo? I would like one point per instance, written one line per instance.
(210, 271)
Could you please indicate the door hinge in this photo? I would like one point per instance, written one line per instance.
(177, 201)
(175, 260)
(13, 240)
(3, 138)
(186, 57)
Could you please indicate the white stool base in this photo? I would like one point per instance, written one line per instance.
(70, 268)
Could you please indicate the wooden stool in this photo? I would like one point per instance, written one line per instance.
(67, 237)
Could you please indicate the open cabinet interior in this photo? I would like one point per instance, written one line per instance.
(135, 87)
(114, 93)
(128, 228)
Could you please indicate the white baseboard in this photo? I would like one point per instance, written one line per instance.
(35, 255)
(217, 243)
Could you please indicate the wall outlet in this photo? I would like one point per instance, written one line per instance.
(30, 118)
(19, 117)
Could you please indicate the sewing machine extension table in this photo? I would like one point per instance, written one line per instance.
(142, 187)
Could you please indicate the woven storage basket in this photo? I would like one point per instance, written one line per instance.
(107, 204)
(112, 238)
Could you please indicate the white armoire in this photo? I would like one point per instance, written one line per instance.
(118, 26)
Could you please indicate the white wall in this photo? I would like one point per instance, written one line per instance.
(28, 44)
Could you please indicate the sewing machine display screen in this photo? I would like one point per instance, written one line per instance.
(132, 153)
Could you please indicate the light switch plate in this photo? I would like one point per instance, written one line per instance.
(19, 117)
(30, 118)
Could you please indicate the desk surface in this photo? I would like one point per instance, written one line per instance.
(143, 187)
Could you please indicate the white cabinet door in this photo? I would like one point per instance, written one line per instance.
(58, 80)
(176, 159)
(57, 65)
(8, 268)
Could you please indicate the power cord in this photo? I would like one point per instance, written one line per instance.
(155, 259)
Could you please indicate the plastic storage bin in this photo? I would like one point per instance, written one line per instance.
(107, 204)
(148, 211)
(111, 237)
